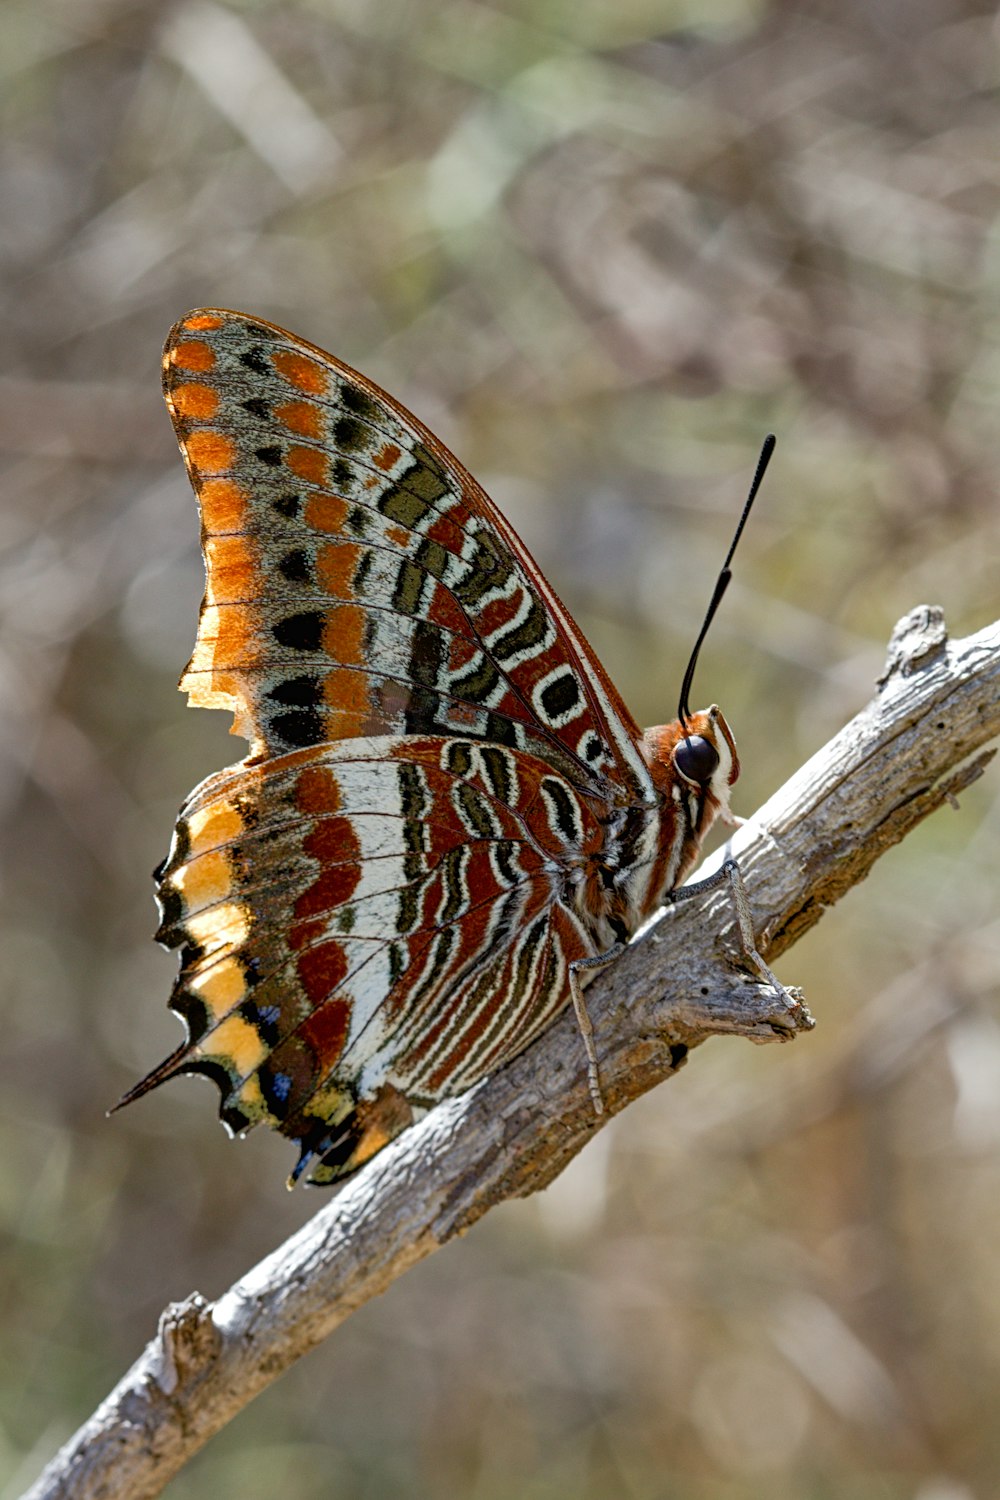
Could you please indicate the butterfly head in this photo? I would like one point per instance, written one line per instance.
(697, 759)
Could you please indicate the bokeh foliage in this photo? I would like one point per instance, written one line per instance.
(601, 248)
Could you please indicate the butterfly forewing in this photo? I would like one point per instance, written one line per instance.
(359, 581)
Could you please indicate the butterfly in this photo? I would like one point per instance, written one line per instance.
(447, 818)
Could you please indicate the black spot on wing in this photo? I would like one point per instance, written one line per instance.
(561, 696)
(298, 692)
(294, 566)
(350, 434)
(255, 360)
(302, 632)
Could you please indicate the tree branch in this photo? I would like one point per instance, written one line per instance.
(917, 744)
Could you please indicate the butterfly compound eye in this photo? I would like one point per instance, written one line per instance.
(696, 758)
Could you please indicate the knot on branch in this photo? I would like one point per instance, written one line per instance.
(188, 1341)
(917, 640)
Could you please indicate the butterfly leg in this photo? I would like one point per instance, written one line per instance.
(741, 902)
(730, 875)
(578, 965)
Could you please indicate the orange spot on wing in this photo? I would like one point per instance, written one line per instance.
(223, 505)
(346, 692)
(497, 613)
(344, 634)
(447, 529)
(443, 610)
(460, 653)
(237, 1042)
(214, 826)
(193, 354)
(210, 451)
(387, 456)
(237, 639)
(228, 643)
(398, 536)
(301, 372)
(321, 970)
(221, 987)
(202, 322)
(333, 842)
(231, 568)
(336, 565)
(326, 1030)
(325, 512)
(317, 791)
(301, 417)
(204, 879)
(197, 402)
(331, 890)
(375, 1137)
(427, 752)
(303, 933)
(308, 463)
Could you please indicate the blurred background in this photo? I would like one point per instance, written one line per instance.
(600, 248)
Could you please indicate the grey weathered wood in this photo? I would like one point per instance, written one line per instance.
(917, 744)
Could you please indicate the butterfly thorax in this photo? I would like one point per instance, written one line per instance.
(649, 851)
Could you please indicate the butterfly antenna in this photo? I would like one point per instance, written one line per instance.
(722, 582)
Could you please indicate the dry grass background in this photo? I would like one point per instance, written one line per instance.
(601, 248)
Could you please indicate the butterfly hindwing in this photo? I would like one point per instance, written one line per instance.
(367, 928)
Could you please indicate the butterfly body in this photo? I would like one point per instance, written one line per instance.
(446, 806)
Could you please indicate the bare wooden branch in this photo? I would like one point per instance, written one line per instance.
(917, 744)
